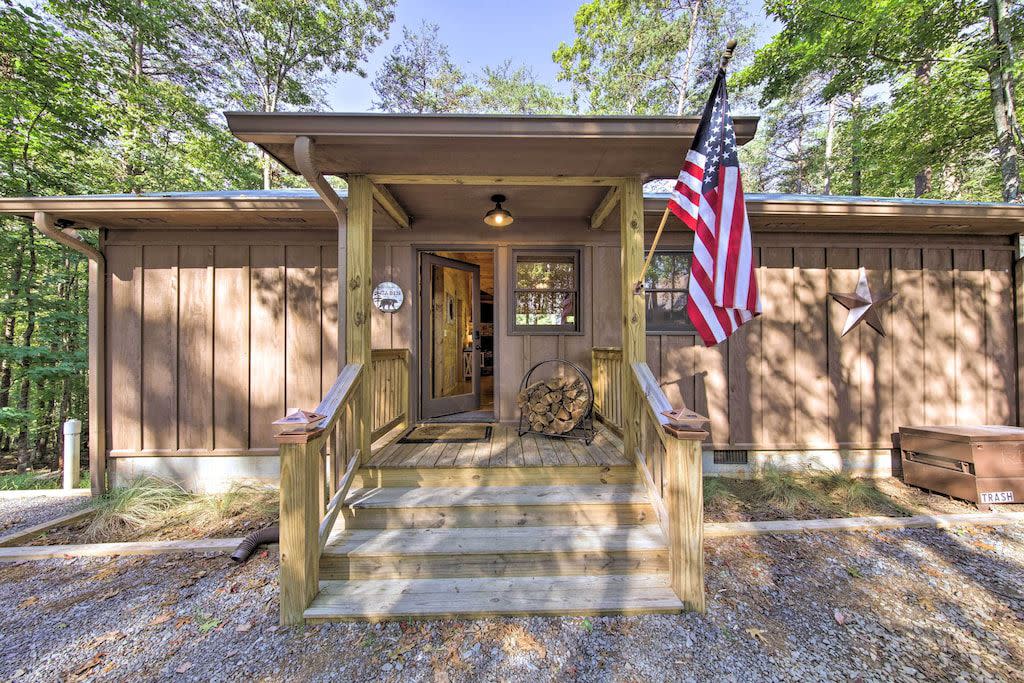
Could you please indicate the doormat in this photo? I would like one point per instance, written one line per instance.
(437, 433)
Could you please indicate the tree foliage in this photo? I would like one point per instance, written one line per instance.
(923, 77)
(101, 96)
(648, 57)
(419, 76)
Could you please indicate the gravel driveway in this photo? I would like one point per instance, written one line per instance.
(897, 605)
(19, 513)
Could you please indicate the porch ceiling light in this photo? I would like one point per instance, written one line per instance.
(498, 217)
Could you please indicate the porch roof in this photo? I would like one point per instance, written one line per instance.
(303, 209)
(479, 145)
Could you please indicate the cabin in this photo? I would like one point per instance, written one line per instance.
(470, 258)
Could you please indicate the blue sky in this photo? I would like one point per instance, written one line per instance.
(480, 32)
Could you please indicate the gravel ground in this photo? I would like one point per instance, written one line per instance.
(898, 605)
(20, 513)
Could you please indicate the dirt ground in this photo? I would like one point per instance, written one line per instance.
(898, 605)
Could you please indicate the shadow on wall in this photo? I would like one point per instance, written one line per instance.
(790, 381)
(207, 346)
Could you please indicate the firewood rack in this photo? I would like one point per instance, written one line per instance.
(584, 428)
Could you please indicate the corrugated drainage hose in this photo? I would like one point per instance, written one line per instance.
(254, 540)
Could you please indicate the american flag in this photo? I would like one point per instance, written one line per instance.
(708, 197)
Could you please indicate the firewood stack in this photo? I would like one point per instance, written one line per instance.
(554, 406)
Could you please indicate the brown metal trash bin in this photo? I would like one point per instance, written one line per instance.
(983, 464)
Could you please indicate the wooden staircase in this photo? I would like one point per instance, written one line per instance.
(472, 543)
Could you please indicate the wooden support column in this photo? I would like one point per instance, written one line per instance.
(1018, 295)
(97, 375)
(685, 503)
(359, 273)
(299, 529)
(634, 323)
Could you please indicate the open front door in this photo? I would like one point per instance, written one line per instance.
(449, 336)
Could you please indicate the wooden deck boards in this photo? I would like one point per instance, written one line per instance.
(504, 449)
(482, 597)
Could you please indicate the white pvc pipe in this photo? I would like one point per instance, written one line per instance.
(72, 448)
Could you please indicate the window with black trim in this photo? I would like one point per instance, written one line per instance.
(666, 285)
(545, 291)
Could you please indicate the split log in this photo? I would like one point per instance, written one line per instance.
(554, 406)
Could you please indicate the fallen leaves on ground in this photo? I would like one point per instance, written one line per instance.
(756, 634)
(161, 618)
(84, 670)
(28, 602)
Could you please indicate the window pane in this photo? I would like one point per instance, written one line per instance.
(669, 270)
(545, 271)
(545, 308)
(666, 311)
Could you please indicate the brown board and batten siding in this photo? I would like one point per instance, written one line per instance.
(212, 335)
(788, 380)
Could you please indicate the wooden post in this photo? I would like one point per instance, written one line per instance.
(359, 271)
(299, 527)
(1018, 295)
(686, 519)
(98, 374)
(634, 322)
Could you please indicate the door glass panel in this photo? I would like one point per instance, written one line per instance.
(452, 327)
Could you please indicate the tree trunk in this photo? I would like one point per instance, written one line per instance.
(856, 144)
(830, 142)
(691, 43)
(923, 182)
(25, 455)
(1000, 77)
(923, 179)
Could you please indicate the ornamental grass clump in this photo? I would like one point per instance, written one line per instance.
(146, 504)
(852, 493)
(785, 490)
(150, 507)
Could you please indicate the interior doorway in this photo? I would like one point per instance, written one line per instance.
(457, 349)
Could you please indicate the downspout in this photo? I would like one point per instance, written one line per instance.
(44, 222)
(304, 149)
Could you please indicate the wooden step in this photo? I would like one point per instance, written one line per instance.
(381, 600)
(479, 552)
(406, 477)
(491, 506)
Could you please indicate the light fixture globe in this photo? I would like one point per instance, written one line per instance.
(498, 217)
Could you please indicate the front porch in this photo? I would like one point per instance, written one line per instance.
(504, 524)
(501, 447)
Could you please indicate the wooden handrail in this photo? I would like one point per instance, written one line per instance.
(671, 470)
(312, 493)
(389, 372)
(606, 374)
(330, 407)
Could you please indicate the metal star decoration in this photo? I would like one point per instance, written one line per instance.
(862, 305)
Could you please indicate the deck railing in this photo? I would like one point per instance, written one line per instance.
(670, 465)
(606, 370)
(390, 371)
(317, 468)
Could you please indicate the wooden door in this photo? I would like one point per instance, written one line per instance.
(449, 336)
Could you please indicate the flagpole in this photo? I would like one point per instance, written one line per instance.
(730, 47)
